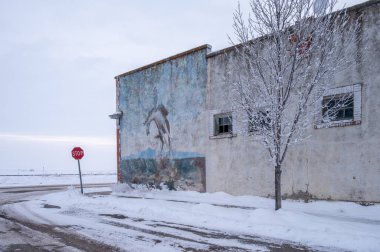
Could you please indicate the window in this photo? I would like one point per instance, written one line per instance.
(258, 121)
(339, 107)
(222, 124)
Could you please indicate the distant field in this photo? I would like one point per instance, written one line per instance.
(7, 180)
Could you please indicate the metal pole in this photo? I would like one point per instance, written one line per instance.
(80, 177)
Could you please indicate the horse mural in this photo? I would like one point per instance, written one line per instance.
(159, 116)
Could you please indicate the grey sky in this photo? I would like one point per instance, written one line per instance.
(58, 60)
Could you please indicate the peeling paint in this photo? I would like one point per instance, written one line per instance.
(161, 108)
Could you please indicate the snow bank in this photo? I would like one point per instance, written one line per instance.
(332, 225)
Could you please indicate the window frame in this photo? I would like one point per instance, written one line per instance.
(356, 91)
(211, 125)
(217, 125)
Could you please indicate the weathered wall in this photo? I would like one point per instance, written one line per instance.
(175, 99)
(335, 163)
(159, 130)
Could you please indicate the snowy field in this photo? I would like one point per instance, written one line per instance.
(55, 179)
(152, 220)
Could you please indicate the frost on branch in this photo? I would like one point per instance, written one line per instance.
(286, 55)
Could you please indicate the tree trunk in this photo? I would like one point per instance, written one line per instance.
(277, 186)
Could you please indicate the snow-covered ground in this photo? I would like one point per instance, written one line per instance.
(153, 220)
(55, 179)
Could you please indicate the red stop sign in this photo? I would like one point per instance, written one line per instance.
(77, 153)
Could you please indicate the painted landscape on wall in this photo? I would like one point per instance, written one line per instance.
(162, 105)
(181, 170)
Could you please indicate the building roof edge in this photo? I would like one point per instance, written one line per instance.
(202, 47)
(348, 9)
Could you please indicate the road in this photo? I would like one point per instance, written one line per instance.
(19, 233)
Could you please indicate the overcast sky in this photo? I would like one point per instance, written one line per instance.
(57, 63)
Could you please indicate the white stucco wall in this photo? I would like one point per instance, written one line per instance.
(340, 163)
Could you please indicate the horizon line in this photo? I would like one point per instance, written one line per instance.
(59, 139)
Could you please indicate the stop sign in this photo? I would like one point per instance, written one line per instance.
(77, 153)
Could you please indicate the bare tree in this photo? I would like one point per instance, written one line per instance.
(286, 56)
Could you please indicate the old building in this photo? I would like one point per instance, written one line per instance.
(174, 127)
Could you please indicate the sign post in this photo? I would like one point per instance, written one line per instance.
(78, 154)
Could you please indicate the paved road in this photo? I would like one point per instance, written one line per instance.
(17, 234)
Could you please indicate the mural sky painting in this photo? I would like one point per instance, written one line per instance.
(58, 60)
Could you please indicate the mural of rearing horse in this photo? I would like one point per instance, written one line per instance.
(159, 116)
